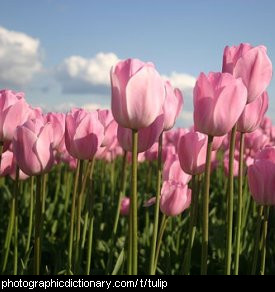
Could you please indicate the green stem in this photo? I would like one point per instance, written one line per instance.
(68, 186)
(71, 237)
(121, 194)
(240, 205)
(91, 219)
(9, 234)
(192, 225)
(88, 173)
(15, 256)
(130, 238)
(57, 191)
(206, 207)
(257, 240)
(38, 225)
(78, 223)
(44, 193)
(230, 201)
(163, 224)
(30, 217)
(156, 215)
(264, 235)
(134, 203)
(112, 178)
(90, 244)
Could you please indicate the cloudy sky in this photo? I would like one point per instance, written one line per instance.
(59, 52)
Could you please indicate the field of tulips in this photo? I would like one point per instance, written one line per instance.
(124, 192)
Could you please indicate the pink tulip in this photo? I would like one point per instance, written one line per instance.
(217, 142)
(192, 152)
(105, 116)
(253, 113)
(219, 100)
(150, 202)
(168, 150)
(35, 113)
(266, 125)
(173, 136)
(6, 163)
(175, 198)
(172, 171)
(125, 206)
(138, 93)
(256, 141)
(58, 123)
(172, 106)
(84, 133)
(152, 153)
(261, 177)
(14, 111)
(110, 126)
(33, 149)
(146, 136)
(68, 159)
(251, 64)
(8, 166)
(267, 153)
(248, 160)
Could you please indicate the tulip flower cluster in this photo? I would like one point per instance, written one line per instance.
(85, 177)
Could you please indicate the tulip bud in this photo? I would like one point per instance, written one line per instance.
(138, 93)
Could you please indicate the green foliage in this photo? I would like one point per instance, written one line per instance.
(106, 187)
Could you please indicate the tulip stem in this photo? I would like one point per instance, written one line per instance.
(38, 225)
(192, 225)
(16, 190)
(9, 234)
(121, 194)
(257, 240)
(88, 173)
(71, 237)
(133, 203)
(230, 201)
(30, 217)
(264, 234)
(240, 205)
(90, 243)
(78, 223)
(90, 218)
(163, 224)
(156, 214)
(206, 207)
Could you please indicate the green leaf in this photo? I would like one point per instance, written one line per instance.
(119, 263)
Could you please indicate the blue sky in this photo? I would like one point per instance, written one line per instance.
(182, 38)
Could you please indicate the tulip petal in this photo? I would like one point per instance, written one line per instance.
(145, 94)
(16, 115)
(228, 108)
(25, 152)
(43, 147)
(255, 69)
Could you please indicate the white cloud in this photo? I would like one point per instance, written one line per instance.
(20, 58)
(185, 82)
(67, 106)
(80, 75)
(77, 74)
(94, 106)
